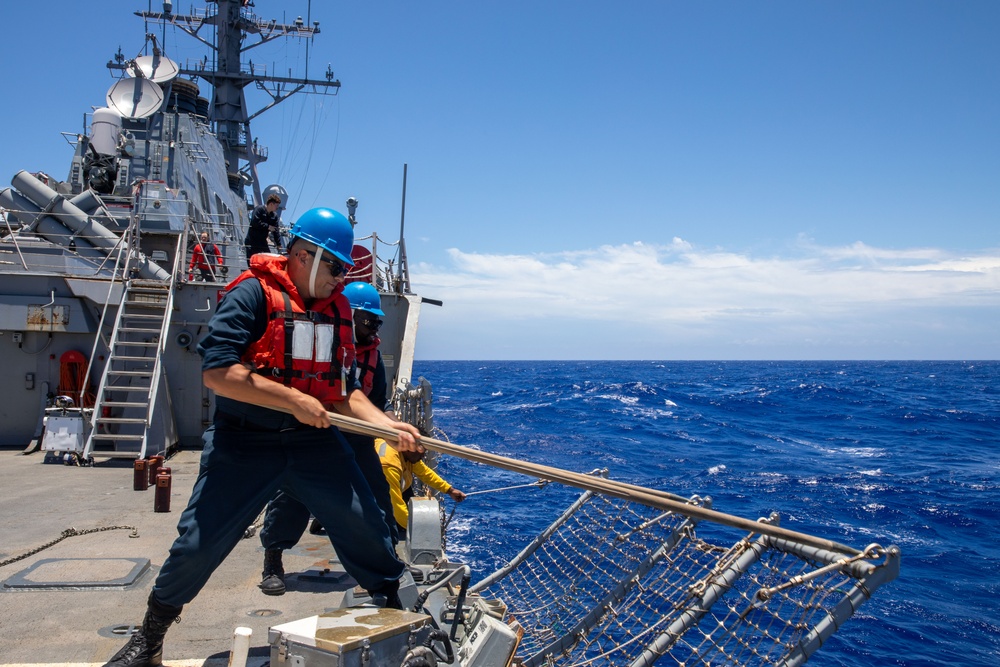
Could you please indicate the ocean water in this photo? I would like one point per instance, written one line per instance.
(904, 453)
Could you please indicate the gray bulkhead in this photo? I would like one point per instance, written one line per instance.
(53, 287)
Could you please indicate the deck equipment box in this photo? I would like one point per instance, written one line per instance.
(352, 637)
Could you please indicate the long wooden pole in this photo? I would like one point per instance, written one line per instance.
(651, 497)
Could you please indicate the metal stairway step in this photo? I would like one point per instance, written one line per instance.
(124, 404)
(140, 284)
(117, 436)
(114, 453)
(147, 305)
(122, 357)
(141, 316)
(114, 371)
(119, 420)
(131, 343)
(146, 299)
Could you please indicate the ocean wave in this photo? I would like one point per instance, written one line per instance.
(890, 452)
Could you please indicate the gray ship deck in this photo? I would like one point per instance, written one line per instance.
(78, 626)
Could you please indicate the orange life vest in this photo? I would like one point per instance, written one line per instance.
(367, 363)
(311, 350)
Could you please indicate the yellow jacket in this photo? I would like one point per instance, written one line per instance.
(399, 473)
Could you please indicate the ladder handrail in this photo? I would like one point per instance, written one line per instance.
(99, 396)
(102, 387)
(104, 312)
(132, 254)
(162, 346)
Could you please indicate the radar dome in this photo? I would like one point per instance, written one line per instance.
(105, 128)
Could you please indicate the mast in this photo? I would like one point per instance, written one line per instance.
(403, 270)
(229, 76)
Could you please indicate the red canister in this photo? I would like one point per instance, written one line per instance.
(140, 478)
(161, 501)
(154, 464)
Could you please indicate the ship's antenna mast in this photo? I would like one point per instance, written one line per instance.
(400, 285)
(233, 23)
(309, 11)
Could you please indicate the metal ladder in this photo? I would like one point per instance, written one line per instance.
(126, 398)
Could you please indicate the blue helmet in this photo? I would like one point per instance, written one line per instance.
(329, 230)
(363, 296)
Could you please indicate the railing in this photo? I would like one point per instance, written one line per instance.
(221, 228)
(161, 348)
(116, 279)
(22, 235)
(123, 248)
(413, 404)
(377, 269)
(222, 234)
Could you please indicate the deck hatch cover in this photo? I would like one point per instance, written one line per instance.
(70, 573)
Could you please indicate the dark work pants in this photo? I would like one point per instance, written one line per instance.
(254, 249)
(243, 468)
(287, 517)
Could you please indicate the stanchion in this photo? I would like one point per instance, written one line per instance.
(241, 647)
(140, 478)
(161, 503)
(154, 464)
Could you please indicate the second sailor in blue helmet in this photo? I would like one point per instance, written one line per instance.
(366, 304)
(280, 338)
(371, 374)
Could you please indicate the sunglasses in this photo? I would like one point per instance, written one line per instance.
(336, 266)
(374, 325)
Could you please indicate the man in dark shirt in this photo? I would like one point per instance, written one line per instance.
(263, 221)
(251, 358)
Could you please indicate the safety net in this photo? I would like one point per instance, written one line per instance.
(613, 582)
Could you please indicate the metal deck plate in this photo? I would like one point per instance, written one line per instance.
(69, 573)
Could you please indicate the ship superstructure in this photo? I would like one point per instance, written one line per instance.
(98, 302)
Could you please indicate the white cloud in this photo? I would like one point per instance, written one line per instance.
(677, 301)
(862, 251)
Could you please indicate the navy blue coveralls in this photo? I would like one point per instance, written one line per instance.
(250, 453)
(261, 221)
(286, 518)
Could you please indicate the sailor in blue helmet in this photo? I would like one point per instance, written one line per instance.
(287, 517)
(280, 337)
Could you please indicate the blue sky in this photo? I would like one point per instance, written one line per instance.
(638, 180)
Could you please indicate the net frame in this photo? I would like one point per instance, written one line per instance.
(614, 582)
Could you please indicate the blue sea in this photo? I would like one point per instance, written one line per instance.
(902, 453)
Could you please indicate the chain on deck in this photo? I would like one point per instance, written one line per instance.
(618, 583)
